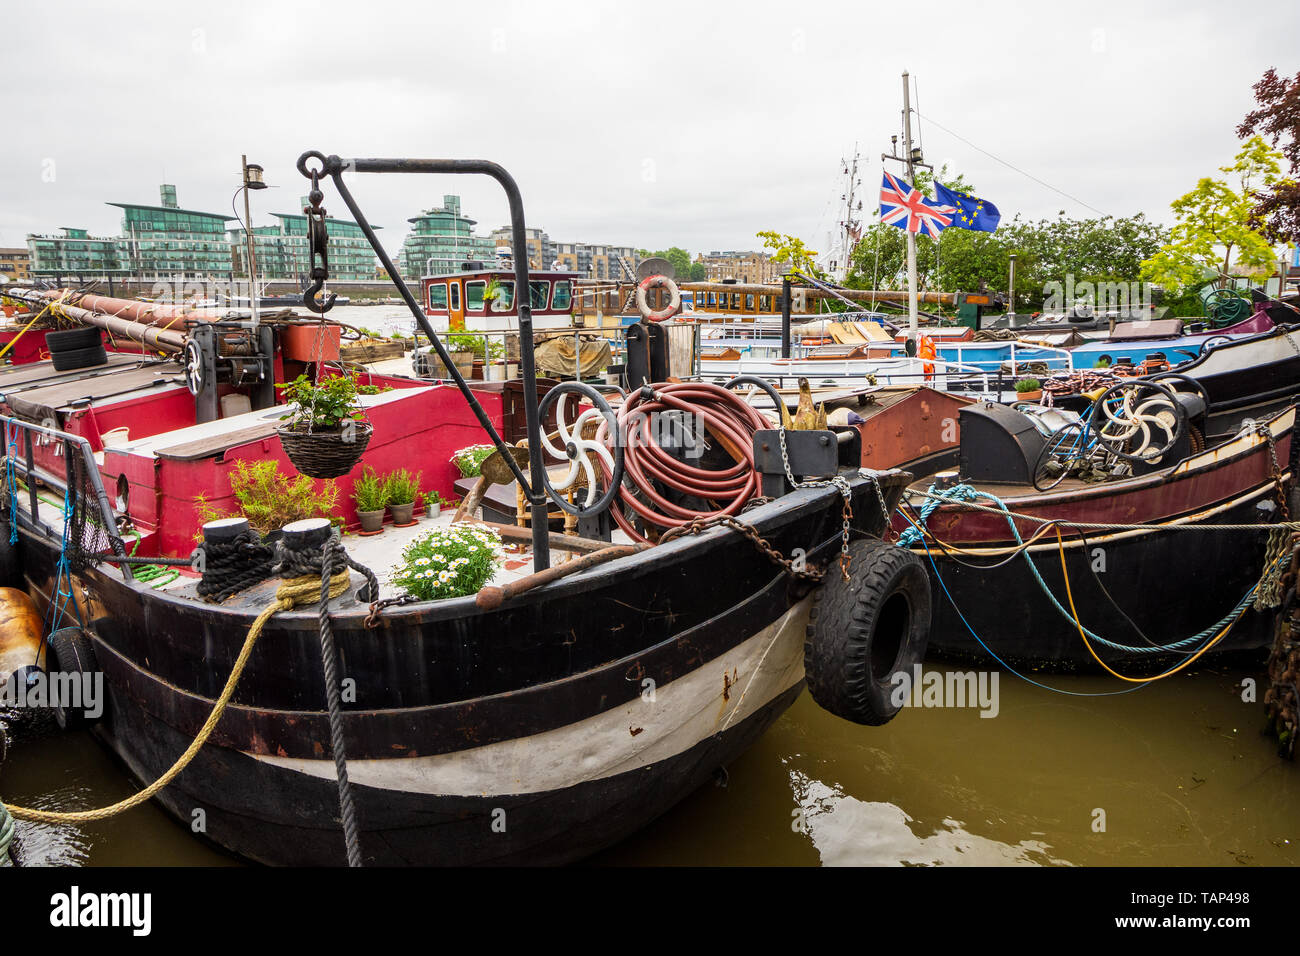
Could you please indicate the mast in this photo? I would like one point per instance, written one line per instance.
(850, 228)
(909, 160)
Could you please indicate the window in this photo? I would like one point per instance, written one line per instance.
(505, 300)
(735, 302)
(765, 303)
(563, 296)
(474, 295)
(438, 295)
(455, 296)
(749, 303)
(539, 293)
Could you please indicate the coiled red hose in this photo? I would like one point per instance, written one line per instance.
(730, 421)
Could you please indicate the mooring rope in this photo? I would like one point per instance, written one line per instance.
(964, 494)
(290, 594)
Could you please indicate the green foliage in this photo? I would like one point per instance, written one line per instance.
(325, 405)
(449, 562)
(480, 345)
(369, 491)
(791, 250)
(1097, 250)
(1211, 234)
(401, 487)
(1028, 385)
(469, 460)
(269, 499)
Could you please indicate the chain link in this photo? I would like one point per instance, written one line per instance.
(699, 525)
(840, 482)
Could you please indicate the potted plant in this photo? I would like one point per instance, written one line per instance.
(430, 504)
(469, 460)
(1029, 390)
(371, 495)
(448, 562)
(323, 436)
(400, 489)
(463, 347)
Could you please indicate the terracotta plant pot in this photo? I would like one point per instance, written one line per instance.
(1029, 396)
(402, 513)
(371, 521)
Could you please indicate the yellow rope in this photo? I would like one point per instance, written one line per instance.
(1060, 544)
(14, 341)
(294, 591)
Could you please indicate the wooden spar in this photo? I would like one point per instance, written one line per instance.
(163, 339)
(853, 295)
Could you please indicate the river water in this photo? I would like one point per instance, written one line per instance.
(1176, 773)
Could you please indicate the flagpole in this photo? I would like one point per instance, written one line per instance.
(911, 236)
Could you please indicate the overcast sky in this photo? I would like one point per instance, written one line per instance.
(653, 124)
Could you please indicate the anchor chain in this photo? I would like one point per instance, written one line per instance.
(699, 525)
(840, 482)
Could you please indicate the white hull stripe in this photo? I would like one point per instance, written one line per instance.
(713, 697)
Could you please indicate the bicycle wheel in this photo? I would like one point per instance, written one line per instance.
(1059, 454)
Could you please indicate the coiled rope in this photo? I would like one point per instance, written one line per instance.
(231, 566)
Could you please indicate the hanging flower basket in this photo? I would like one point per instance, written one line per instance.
(325, 453)
(322, 434)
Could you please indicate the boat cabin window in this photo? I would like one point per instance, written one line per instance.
(474, 296)
(749, 303)
(540, 292)
(563, 296)
(765, 303)
(438, 295)
(735, 302)
(455, 296)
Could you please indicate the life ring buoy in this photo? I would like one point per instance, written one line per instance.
(658, 282)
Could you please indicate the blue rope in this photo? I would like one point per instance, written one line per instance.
(1029, 680)
(11, 478)
(963, 492)
(62, 571)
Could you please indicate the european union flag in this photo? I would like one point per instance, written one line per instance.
(972, 212)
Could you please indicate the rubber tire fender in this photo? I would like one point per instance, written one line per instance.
(67, 340)
(73, 359)
(71, 652)
(864, 631)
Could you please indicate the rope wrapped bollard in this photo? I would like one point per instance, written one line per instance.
(234, 557)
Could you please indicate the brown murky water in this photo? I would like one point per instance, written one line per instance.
(1178, 768)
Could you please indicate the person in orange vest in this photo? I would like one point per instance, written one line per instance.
(926, 351)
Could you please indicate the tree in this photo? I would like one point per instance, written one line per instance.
(1276, 212)
(1211, 232)
(679, 257)
(791, 250)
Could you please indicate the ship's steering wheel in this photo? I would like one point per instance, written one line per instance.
(1139, 420)
(1175, 380)
(582, 440)
(192, 359)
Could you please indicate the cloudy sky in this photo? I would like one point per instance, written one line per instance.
(654, 124)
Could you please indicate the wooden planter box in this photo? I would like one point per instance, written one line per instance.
(371, 351)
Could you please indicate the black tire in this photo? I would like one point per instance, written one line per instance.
(863, 632)
(71, 652)
(67, 340)
(79, 358)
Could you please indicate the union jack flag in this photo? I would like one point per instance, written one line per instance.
(906, 207)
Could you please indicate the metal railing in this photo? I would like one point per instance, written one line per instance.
(24, 465)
